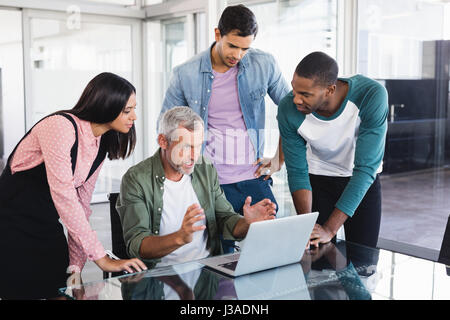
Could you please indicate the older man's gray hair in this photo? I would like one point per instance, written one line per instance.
(179, 116)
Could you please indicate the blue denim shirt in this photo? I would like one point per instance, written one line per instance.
(258, 75)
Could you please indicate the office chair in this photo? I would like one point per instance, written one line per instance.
(118, 244)
(444, 254)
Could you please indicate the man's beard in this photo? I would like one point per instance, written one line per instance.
(179, 167)
(223, 58)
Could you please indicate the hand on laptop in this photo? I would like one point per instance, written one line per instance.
(320, 234)
(262, 210)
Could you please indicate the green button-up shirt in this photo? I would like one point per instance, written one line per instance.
(140, 204)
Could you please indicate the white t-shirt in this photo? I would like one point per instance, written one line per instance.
(177, 197)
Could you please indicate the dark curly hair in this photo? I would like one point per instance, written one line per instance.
(239, 18)
(319, 67)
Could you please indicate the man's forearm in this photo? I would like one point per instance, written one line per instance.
(335, 221)
(240, 229)
(154, 247)
(303, 204)
(302, 201)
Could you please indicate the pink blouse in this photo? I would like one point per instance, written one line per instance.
(50, 141)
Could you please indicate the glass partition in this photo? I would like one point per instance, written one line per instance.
(290, 30)
(406, 46)
(64, 57)
(171, 42)
(175, 45)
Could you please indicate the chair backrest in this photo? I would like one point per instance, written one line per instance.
(118, 244)
(444, 254)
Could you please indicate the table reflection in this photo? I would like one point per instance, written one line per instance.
(338, 271)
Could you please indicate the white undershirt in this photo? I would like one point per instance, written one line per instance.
(177, 197)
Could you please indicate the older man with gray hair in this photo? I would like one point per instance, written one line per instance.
(171, 205)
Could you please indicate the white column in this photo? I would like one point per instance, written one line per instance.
(347, 29)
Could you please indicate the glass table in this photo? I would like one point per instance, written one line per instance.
(335, 271)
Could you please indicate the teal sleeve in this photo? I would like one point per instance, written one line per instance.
(352, 284)
(369, 150)
(294, 146)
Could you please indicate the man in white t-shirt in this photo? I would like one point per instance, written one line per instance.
(171, 205)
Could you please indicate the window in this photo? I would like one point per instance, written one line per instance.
(58, 51)
(405, 45)
(290, 30)
(64, 55)
(175, 45)
(171, 42)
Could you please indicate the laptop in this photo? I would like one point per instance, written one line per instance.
(268, 244)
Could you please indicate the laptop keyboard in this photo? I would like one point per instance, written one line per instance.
(229, 265)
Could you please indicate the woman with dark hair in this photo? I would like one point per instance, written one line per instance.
(50, 176)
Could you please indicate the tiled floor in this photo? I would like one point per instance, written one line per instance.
(415, 211)
(416, 207)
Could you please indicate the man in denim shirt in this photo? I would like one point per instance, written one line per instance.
(226, 86)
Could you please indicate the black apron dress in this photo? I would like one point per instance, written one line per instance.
(33, 247)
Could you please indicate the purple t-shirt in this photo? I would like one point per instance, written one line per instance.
(228, 144)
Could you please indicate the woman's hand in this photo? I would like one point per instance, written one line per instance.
(130, 265)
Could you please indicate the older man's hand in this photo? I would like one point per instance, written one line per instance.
(262, 210)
